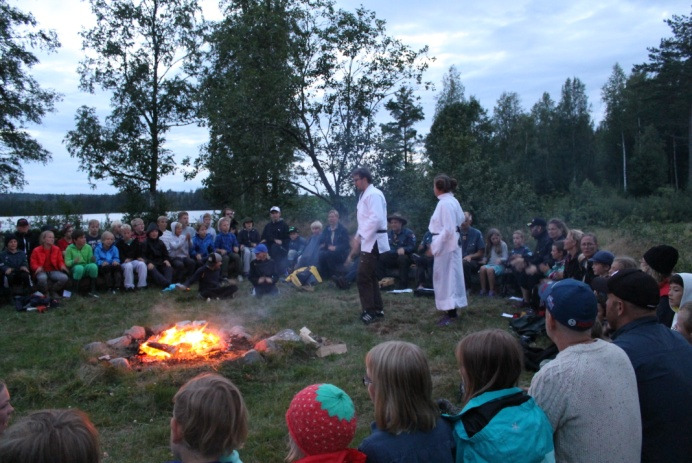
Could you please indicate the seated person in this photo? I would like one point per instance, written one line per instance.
(209, 278)
(48, 265)
(558, 255)
(335, 246)
(188, 230)
(138, 232)
(116, 227)
(162, 225)
(26, 238)
(131, 260)
(14, 266)
(210, 421)
(226, 244)
(275, 237)
(206, 220)
(263, 272)
(93, 236)
(248, 238)
(589, 247)
(51, 436)
(202, 245)
(472, 250)
(402, 243)
(683, 324)
(156, 257)
(296, 244)
(424, 261)
(66, 239)
(108, 261)
(178, 246)
(601, 263)
(496, 255)
(79, 258)
(229, 213)
(311, 253)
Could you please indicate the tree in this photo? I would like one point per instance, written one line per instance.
(614, 95)
(399, 138)
(452, 90)
(22, 100)
(670, 72)
(146, 53)
(648, 165)
(511, 132)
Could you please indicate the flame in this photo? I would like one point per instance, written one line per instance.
(184, 342)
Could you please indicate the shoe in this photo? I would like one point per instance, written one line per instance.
(482, 292)
(491, 293)
(308, 288)
(379, 314)
(446, 321)
(367, 317)
(94, 295)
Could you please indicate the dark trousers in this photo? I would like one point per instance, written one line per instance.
(266, 290)
(368, 284)
(222, 292)
(424, 271)
(471, 278)
(112, 276)
(329, 263)
(280, 256)
(162, 275)
(400, 262)
(183, 267)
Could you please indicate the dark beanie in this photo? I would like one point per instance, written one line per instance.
(633, 285)
(662, 258)
(9, 237)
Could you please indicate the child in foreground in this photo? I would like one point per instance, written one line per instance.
(321, 424)
(210, 421)
(209, 277)
(51, 436)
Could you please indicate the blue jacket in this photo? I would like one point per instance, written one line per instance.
(202, 246)
(518, 433)
(404, 239)
(109, 256)
(226, 241)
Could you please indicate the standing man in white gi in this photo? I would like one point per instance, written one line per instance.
(370, 240)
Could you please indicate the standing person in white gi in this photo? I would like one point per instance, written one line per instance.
(370, 240)
(448, 272)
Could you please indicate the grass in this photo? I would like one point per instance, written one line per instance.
(45, 366)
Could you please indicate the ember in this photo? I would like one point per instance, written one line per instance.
(182, 342)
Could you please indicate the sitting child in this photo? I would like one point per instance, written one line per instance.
(296, 245)
(490, 363)
(601, 262)
(248, 238)
(202, 244)
(210, 421)
(108, 261)
(14, 265)
(321, 423)
(79, 258)
(496, 254)
(178, 246)
(93, 236)
(263, 273)
(131, 260)
(683, 324)
(51, 436)
(66, 239)
(559, 255)
(226, 244)
(209, 277)
(679, 293)
(156, 257)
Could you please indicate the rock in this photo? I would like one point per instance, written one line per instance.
(121, 342)
(237, 331)
(251, 356)
(97, 348)
(307, 336)
(136, 332)
(266, 345)
(158, 329)
(183, 324)
(119, 362)
(199, 323)
(333, 349)
(285, 335)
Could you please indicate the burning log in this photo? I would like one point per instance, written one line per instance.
(162, 347)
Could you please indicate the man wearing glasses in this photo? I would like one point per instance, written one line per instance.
(370, 240)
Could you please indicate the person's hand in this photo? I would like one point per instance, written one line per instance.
(331, 248)
(77, 259)
(222, 252)
(24, 269)
(150, 266)
(401, 251)
(544, 267)
(39, 270)
(278, 242)
(105, 264)
(116, 264)
(531, 270)
(8, 271)
(581, 258)
(235, 250)
(498, 261)
(467, 258)
(242, 247)
(199, 257)
(168, 264)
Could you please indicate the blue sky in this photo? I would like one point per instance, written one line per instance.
(523, 46)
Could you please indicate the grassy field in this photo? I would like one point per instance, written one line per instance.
(44, 363)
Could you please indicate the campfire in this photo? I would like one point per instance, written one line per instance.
(182, 343)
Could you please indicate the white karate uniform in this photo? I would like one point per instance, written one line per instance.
(372, 216)
(448, 271)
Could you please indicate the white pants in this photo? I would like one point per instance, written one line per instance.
(128, 272)
(248, 255)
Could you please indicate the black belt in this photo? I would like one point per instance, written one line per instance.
(434, 234)
(381, 231)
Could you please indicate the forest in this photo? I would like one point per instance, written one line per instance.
(294, 94)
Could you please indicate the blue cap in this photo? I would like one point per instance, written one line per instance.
(261, 248)
(603, 257)
(570, 302)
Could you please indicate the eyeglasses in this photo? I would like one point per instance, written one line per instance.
(367, 381)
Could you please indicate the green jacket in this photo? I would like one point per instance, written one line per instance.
(86, 255)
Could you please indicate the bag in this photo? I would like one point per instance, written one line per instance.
(528, 325)
(304, 276)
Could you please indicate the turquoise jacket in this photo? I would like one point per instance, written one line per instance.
(516, 434)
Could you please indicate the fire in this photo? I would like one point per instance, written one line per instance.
(182, 342)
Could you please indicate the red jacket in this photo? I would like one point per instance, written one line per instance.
(50, 259)
(343, 456)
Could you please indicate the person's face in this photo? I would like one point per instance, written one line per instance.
(536, 231)
(275, 215)
(5, 409)
(553, 231)
(588, 246)
(555, 253)
(12, 246)
(139, 228)
(683, 318)
(49, 239)
(316, 230)
(202, 231)
(154, 234)
(675, 295)
(93, 229)
(293, 236)
(570, 242)
(230, 213)
(613, 305)
(247, 225)
(162, 223)
(495, 239)
(23, 228)
(395, 225)
(600, 270)
(178, 229)
(468, 220)
(207, 220)
(68, 232)
(360, 183)
(79, 242)
(224, 226)
(517, 240)
(117, 230)
(261, 256)
(184, 219)
(108, 241)
(127, 233)
(333, 219)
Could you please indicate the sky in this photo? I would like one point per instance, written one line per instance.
(523, 46)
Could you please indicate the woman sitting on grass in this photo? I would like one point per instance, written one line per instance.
(48, 265)
(408, 426)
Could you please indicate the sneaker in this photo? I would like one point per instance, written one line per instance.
(308, 288)
(94, 295)
(491, 293)
(482, 292)
(446, 320)
(367, 318)
(379, 314)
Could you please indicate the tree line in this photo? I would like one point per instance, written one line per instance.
(290, 91)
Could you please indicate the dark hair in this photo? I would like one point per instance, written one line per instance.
(677, 280)
(362, 172)
(560, 245)
(78, 233)
(445, 183)
(561, 225)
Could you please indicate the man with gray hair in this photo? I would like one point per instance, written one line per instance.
(589, 392)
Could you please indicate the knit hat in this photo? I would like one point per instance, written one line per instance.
(321, 419)
(633, 285)
(9, 237)
(570, 302)
(662, 258)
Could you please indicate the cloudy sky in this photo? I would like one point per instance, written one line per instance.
(523, 46)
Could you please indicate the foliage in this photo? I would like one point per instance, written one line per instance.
(22, 100)
(452, 90)
(648, 166)
(146, 54)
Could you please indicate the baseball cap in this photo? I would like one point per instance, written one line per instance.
(537, 221)
(261, 248)
(633, 285)
(570, 302)
(603, 257)
(22, 223)
(275, 208)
